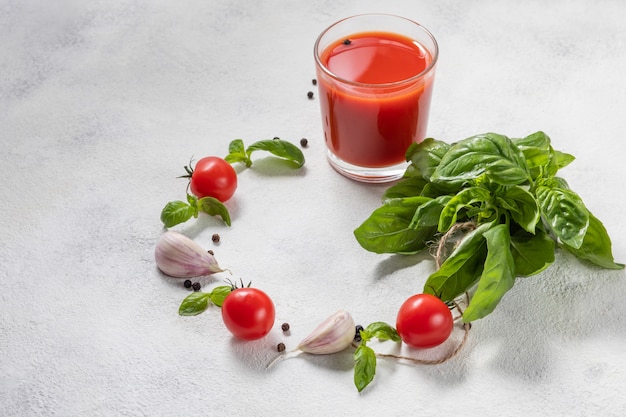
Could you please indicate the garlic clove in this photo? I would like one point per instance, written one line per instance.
(178, 256)
(332, 335)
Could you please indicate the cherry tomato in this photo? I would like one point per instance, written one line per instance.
(213, 177)
(424, 321)
(248, 313)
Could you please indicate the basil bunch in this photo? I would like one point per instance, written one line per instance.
(509, 190)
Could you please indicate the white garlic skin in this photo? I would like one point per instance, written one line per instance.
(332, 335)
(178, 256)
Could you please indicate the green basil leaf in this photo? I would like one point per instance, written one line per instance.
(536, 150)
(433, 190)
(564, 212)
(194, 304)
(410, 202)
(176, 212)
(219, 294)
(563, 159)
(383, 331)
(406, 187)
(489, 154)
(555, 182)
(237, 153)
(596, 246)
(535, 157)
(280, 148)
(557, 161)
(464, 199)
(532, 253)
(521, 205)
(428, 214)
(387, 229)
(427, 155)
(214, 207)
(535, 140)
(364, 366)
(462, 268)
(498, 275)
(411, 171)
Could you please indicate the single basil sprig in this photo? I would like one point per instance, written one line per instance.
(508, 191)
(198, 301)
(237, 152)
(365, 357)
(176, 212)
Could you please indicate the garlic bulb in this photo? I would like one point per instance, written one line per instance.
(178, 256)
(332, 335)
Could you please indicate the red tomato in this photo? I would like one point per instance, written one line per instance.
(213, 177)
(248, 313)
(424, 321)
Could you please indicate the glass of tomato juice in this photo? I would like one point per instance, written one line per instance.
(375, 76)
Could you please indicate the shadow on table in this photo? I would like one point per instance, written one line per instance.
(261, 356)
(567, 304)
(525, 337)
(394, 263)
(272, 166)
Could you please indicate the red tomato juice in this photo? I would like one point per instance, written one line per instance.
(375, 105)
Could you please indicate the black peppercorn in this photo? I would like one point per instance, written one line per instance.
(304, 142)
(310, 94)
(357, 333)
(276, 138)
(347, 41)
(314, 81)
(187, 283)
(280, 347)
(211, 252)
(196, 286)
(285, 327)
(215, 238)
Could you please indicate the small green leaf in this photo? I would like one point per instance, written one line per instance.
(219, 294)
(532, 253)
(563, 159)
(564, 212)
(498, 275)
(434, 190)
(596, 246)
(428, 214)
(280, 148)
(535, 140)
(462, 268)
(194, 304)
(427, 155)
(536, 150)
(237, 153)
(383, 331)
(176, 212)
(214, 207)
(387, 229)
(406, 187)
(364, 366)
(491, 154)
(464, 199)
(522, 206)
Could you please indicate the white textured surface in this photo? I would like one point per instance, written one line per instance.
(101, 105)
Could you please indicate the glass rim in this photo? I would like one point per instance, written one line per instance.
(431, 65)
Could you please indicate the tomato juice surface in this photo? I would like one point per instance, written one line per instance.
(376, 102)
